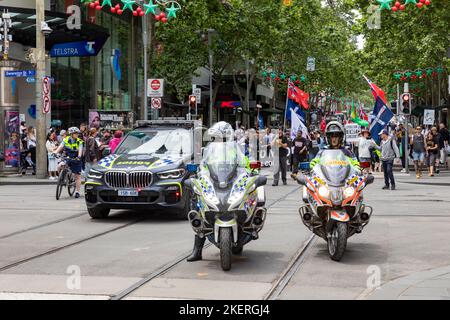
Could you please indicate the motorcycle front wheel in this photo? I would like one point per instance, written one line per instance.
(338, 240)
(225, 246)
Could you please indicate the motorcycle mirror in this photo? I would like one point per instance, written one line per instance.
(260, 181)
(370, 179)
(301, 179)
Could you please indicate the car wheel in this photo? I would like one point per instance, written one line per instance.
(98, 213)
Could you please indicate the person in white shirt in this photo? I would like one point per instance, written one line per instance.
(364, 145)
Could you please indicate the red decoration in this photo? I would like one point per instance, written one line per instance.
(92, 5)
(419, 5)
(403, 78)
(402, 7)
(142, 13)
(397, 4)
(117, 7)
(113, 10)
(119, 12)
(427, 2)
(164, 20)
(98, 8)
(158, 17)
(297, 81)
(277, 78)
(135, 13)
(394, 9)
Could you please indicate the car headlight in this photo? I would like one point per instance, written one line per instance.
(172, 174)
(324, 192)
(94, 174)
(348, 192)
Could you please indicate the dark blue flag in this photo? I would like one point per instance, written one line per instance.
(379, 119)
(291, 105)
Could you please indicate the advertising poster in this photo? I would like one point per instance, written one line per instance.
(110, 119)
(12, 139)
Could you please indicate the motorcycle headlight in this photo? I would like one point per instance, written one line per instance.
(235, 197)
(348, 192)
(94, 174)
(171, 174)
(212, 201)
(324, 192)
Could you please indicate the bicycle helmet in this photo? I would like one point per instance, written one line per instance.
(74, 130)
(335, 128)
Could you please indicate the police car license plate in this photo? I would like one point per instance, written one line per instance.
(128, 193)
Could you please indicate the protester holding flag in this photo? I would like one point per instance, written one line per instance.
(300, 153)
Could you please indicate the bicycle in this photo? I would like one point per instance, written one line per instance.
(66, 178)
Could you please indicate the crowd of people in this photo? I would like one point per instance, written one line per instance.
(93, 144)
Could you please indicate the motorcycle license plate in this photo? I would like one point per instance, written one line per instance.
(128, 193)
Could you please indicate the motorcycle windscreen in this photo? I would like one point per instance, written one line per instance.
(222, 161)
(335, 167)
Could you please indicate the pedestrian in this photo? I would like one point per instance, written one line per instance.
(401, 142)
(52, 144)
(314, 145)
(300, 153)
(432, 149)
(389, 151)
(440, 144)
(268, 138)
(116, 140)
(92, 150)
(282, 144)
(23, 127)
(62, 135)
(31, 147)
(443, 131)
(364, 145)
(418, 150)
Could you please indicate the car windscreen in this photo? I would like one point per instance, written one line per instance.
(159, 141)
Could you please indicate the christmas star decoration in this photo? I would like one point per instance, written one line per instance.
(414, 2)
(439, 69)
(150, 7)
(429, 71)
(106, 3)
(273, 75)
(385, 4)
(397, 75)
(264, 74)
(408, 74)
(302, 78)
(128, 4)
(293, 78)
(283, 76)
(418, 73)
(172, 11)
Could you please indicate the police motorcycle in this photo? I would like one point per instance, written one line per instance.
(228, 199)
(333, 205)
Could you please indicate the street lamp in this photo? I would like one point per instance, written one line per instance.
(210, 54)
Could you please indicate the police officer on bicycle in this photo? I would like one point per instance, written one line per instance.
(72, 146)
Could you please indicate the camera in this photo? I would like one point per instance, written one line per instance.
(45, 29)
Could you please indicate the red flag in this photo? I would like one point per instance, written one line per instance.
(299, 96)
(377, 92)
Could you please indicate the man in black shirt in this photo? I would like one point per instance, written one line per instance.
(443, 131)
(300, 151)
(282, 143)
(440, 143)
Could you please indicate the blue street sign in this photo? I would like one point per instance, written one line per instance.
(33, 80)
(77, 49)
(20, 73)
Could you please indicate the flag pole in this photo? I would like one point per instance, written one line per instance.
(285, 108)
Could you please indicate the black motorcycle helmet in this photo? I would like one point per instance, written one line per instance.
(333, 129)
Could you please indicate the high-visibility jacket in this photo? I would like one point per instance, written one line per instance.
(72, 146)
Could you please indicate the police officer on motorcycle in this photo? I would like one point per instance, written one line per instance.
(221, 132)
(335, 134)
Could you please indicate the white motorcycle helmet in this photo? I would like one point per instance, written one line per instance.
(220, 132)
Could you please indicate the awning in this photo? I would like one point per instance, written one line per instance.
(23, 28)
(418, 110)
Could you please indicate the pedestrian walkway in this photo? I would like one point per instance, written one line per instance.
(432, 284)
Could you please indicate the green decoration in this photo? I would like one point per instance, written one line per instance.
(419, 73)
(273, 75)
(293, 78)
(397, 75)
(283, 76)
(150, 7)
(128, 4)
(106, 3)
(439, 69)
(408, 74)
(414, 2)
(264, 74)
(302, 78)
(385, 4)
(429, 71)
(172, 11)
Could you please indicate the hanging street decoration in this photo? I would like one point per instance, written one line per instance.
(151, 7)
(398, 6)
(271, 75)
(418, 74)
(385, 4)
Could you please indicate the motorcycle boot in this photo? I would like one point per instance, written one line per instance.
(197, 251)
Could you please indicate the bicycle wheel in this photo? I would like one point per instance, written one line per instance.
(71, 185)
(61, 183)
